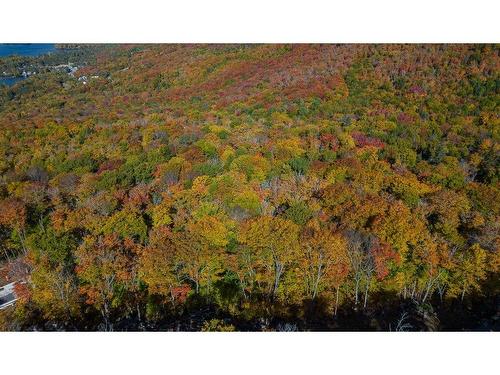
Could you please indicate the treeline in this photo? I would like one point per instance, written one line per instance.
(246, 186)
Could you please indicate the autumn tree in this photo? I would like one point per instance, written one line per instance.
(325, 262)
(13, 215)
(275, 242)
(159, 264)
(469, 272)
(105, 268)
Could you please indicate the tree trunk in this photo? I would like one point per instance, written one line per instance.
(21, 239)
(356, 294)
(138, 311)
(6, 255)
(242, 286)
(316, 283)
(278, 270)
(429, 286)
(107, 324)
(441, 292)
(366, 294)
(336, 301)
(172, 297)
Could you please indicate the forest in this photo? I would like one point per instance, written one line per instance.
(303, 187)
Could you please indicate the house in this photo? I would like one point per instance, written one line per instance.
(13, 275)
(7, 295)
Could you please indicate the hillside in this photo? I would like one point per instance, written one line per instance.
(254, 187)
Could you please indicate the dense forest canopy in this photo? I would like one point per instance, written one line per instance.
(223, 187)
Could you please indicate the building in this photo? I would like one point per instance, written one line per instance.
(7, 295)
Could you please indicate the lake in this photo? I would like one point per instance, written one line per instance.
(25, 49)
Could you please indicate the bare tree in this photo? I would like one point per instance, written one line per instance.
(356, 249)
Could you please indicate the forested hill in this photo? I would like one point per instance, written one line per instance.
(223, 187)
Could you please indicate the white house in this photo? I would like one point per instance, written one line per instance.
(7, 295)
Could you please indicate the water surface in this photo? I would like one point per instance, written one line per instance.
(26, 49)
